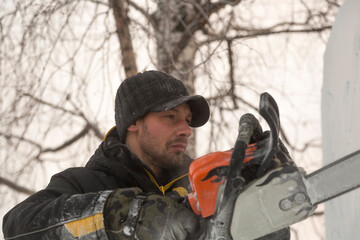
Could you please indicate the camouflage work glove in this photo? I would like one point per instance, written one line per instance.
(130, 215)
(281, 157)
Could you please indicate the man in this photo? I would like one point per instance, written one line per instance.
(131, 186)
(134, 184)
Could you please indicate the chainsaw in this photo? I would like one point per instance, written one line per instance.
(243, 196)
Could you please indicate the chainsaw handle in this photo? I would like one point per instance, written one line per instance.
(269, 110)
(248, 126)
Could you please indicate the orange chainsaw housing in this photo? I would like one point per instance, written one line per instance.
(206, 174)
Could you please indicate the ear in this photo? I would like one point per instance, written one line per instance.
(134, 127)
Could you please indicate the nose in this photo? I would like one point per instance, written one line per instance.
(183, 129)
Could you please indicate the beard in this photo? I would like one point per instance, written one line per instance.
(161, 158)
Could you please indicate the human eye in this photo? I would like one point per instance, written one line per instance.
(170, 116)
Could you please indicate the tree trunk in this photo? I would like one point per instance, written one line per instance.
(123, 33)
(170, 18)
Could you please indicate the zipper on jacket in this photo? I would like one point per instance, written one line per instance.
(167, 186)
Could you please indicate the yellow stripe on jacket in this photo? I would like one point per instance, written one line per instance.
(86, 225)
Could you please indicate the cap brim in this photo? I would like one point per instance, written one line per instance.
(198, 105)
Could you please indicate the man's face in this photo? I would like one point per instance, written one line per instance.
(163, 137)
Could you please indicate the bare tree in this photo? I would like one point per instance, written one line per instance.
(62, 61)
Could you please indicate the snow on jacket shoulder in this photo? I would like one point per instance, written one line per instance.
(71, 206)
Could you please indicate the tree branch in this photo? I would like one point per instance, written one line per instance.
(252, 33)
(67, 143)
(57, 107)
(265, 32)
(78, 113)
(15, 186)
(143, 12)
(231, 74)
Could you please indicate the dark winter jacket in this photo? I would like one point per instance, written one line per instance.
(76, 197)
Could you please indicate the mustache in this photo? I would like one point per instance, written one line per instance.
(183, 140)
